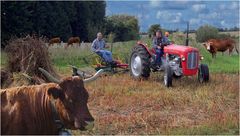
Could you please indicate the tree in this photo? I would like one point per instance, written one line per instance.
(153, 28)
(52, 19)
(88, 13)
(206, 32)
(124, 27)
(16, 19)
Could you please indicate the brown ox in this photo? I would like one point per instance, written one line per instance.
(214, 45)
(54, 40)
(43, 109)
(73, 40)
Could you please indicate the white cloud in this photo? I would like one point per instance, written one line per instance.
(222, 6)
(194, 21)
(222, 22)
(212, 15)
(141, 16)
(234, 5)
(154, 3)
(198, 7)
(169, 16)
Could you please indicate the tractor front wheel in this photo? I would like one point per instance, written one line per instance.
(203, 73)
(168, 74)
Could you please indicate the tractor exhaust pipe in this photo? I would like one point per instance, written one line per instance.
(187, 34)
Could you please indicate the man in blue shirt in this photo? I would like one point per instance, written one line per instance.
(159, 41)
(98, 46)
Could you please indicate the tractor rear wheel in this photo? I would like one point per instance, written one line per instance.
(203, 73)
(140, 63)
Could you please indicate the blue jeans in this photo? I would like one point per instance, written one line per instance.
(106, 55)
(159, 54)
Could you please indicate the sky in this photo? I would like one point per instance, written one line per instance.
(175, 14)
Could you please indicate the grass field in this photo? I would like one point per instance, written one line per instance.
(76, 56)
(83, 57)
(121, 105)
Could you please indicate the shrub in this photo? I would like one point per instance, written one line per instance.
(206, 32)
(223, 36)
(153, 28)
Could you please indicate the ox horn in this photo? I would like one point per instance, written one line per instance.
(55, 80)
(49, 76)
(94, 77)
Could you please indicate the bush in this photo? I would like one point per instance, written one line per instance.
(153, 28)
(124, 27)
(206, 32)
(223, 36)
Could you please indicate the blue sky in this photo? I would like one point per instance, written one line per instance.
(174, 14)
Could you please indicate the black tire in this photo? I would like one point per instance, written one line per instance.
(168, 74)
(143, 67)
(203, 73)
(176, 76)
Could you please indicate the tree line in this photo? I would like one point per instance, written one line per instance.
(64, 19)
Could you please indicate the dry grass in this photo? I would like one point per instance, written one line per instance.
(123, 106)
(27, 55)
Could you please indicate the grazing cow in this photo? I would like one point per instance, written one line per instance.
(214, 45)
(54, 40)
(73, 40)
(46, 108)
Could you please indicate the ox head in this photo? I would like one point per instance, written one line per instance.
(207, 45)
(71, 101)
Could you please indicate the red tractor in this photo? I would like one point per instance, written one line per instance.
(178, 60)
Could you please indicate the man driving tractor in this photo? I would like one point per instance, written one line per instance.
(159, 41)
(98, 46)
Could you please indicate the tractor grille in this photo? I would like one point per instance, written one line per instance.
(192, 60)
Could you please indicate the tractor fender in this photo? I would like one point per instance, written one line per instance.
(139, 43)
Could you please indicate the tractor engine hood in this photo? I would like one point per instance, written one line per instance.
(179, 49)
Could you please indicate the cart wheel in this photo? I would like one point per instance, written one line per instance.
(168, 76)
(203, 73)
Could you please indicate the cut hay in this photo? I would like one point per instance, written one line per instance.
(6, 78)
(26, 55)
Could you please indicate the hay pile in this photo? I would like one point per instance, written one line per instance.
(25, 56)
(6, 78)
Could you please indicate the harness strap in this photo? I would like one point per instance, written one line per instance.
(58, 122)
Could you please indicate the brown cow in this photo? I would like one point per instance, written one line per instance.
(54, 40)
(214, 45)
(43, 109)
(73, 40)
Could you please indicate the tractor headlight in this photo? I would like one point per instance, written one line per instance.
(201, 57)
(183, 58)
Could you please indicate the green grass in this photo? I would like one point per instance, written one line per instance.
(216, 128)
(222, 63)
(83, 57)
(3, 59)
